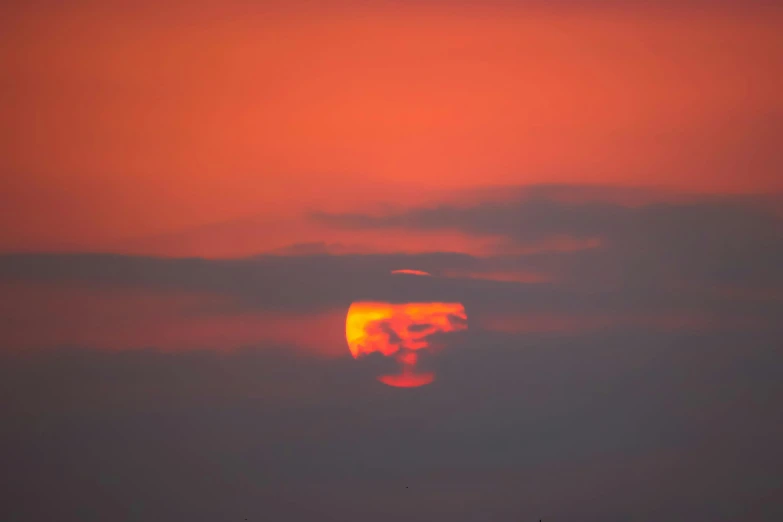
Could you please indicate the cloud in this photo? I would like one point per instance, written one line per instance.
(310, 284)
(721, 240)
(609, 424)
(603, 398)
(663, 262)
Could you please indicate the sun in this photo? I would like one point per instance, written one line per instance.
(400, 331)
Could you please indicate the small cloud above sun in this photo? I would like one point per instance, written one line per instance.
(411, 272)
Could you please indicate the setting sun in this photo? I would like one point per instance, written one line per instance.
(400, 330)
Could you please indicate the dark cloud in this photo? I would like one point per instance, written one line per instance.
(277, 282)
(624, 422)
(420, 327)
(387, 329)
(605, 426)
(312, 283)
(716, 256)
(725, 240)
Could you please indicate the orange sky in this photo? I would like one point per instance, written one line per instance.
(122, 125)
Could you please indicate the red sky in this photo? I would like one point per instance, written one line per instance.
(123, 124)
(611, 350)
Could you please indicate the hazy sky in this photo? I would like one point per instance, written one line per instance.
(192, 196)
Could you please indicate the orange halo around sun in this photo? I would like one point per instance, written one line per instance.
(399, 331)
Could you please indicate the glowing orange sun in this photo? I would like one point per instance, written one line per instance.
(399, 331)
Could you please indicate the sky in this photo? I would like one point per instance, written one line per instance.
(351, 260)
